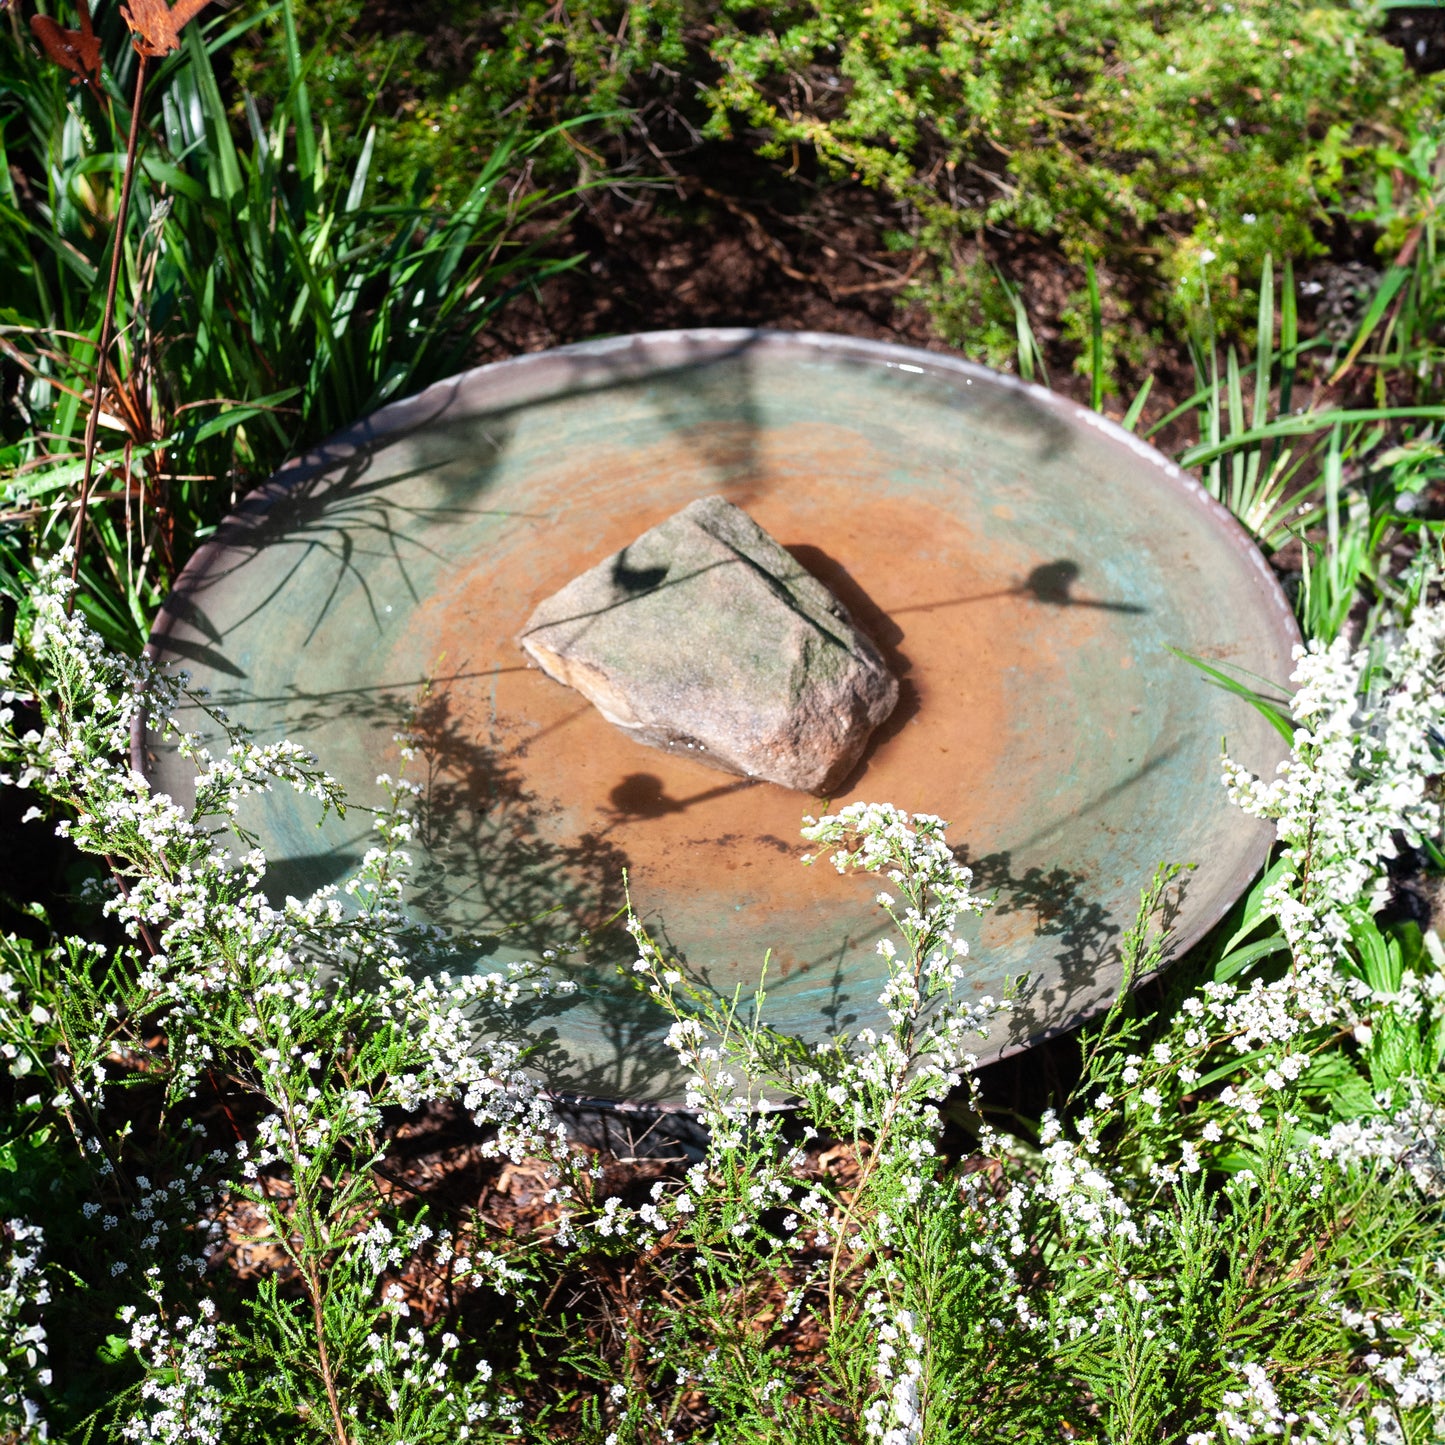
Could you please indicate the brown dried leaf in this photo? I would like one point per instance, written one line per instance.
(157, 26)
(75, 50)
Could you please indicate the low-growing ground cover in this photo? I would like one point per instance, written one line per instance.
(993, 150)
(265, 1174)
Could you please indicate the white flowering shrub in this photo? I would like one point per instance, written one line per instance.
(216, 981)
(1229, 1232)
(1362, 777)
(847, 1250)
(1363, 780)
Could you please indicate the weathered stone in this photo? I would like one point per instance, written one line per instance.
(704, 635)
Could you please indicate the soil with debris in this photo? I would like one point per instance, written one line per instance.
(731, 240)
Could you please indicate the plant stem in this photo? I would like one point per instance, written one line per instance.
(338, 1420)
(106, 320)
(305, 1257)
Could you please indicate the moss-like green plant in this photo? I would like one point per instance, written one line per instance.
(1177, 147)
(471, 76)
(1189, 142)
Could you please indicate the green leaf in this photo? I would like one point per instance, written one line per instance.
(113, 1349)
(1235, 961)
(1303, 425)
(219, 128)
(1096, 339)
(1274, 713)
(1389, 288)
(363, 167)
(1381, 959)
(1136, 407)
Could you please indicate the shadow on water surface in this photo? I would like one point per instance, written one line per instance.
(644, 795)
(337, 505)
(1051, 583)
(489, 870)
(486, 856)
(1064, 906)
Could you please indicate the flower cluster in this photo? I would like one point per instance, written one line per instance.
(897, 1417)
(329, 1010)
(180, 1399)
(418, 1378)
(1412, 1138)
(880, 1089)
(24, 1292)
(1088, 1200)
(912, 853)
(1100, 1249)
(1369, 733)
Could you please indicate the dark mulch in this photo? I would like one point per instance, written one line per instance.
(728, 238)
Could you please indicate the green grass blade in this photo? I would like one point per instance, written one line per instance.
(1393, 280)
(1289, 344)
(1303, 425)
(363, 168)
(1264, 343)
(1214, 406)
(298, 98)
(1136, 407)
(218, 137)
(1234, 397)
(1030, 357)
(1276, 714)
(1096, 340)
(1237, 960)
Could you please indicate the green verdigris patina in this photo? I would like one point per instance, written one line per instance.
(1030, 572)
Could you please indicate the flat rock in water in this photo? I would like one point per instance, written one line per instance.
(705, 635)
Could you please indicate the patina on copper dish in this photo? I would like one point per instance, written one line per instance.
(1031, 571)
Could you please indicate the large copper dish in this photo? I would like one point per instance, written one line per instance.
(1030, 569)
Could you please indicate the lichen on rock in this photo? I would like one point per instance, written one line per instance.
(706, 636)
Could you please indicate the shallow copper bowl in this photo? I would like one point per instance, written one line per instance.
(1031, 571)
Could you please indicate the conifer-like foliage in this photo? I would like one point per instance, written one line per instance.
(1220, 1237)
(1177, 147)
(1158, 136)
